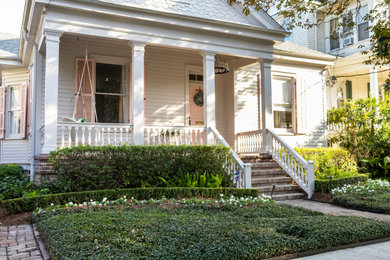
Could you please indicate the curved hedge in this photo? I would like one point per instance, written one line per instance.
(135, 166)
(327, 186)
(31, 203)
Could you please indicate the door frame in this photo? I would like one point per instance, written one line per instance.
(189, 69)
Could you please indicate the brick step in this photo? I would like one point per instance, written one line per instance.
(279, 188)
(289, 196)
(268, 173)
(265, 165)
(267, 181)
(256, 158)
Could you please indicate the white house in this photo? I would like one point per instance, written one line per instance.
(349, 77)
(159, 71)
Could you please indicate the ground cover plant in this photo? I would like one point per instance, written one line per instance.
(373, 195)
(197, 231)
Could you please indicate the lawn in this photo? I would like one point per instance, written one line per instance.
(378, 201)
(197, 232)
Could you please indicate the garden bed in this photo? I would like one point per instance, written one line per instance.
(377, 202)
(198, 231)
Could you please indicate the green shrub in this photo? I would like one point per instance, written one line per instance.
(30, 203)
(198, 232)
(10, 170)
(13, 183)
(109, 167)
(330, 161)
(327, 185)
(378, 201)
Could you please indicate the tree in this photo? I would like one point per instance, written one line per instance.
(295, 12)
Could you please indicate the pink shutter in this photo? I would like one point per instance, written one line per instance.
(23, 112)
(2, 112)
(29, 104)
(84, 106)
(300, 105)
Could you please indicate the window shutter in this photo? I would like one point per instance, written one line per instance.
(300, 105)
(29, 104)
(23, 112)
(2, 111)
(84, 106)
(348, 85)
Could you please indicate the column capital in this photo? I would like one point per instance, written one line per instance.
(53, 35)
(138, 46)
(208, 55)
(266, 62)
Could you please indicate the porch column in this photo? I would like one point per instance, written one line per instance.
(138, 83)
(266, 103)
(51, 90)
(209, 92)
(374, 84)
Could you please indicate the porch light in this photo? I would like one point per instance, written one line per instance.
(333, 79)
(220, 66)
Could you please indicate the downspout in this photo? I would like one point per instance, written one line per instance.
(34, 108)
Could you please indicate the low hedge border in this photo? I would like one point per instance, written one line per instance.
(29, 204)
(326, 186)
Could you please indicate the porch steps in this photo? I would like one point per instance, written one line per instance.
(266, 174)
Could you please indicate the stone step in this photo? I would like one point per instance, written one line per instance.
(289, 196)
(267, 181)
(269, 173)
(265, 165)
(279, 188)
(256, 158)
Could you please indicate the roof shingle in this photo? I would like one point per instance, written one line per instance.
(9, 46)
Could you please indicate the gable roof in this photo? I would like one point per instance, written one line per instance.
(296, 50)
(218, 10)
(9, 46)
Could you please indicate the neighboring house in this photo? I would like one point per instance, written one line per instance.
(151, 78)
(349, 77)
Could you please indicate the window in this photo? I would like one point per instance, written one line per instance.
(334, 35)
(348, 29)
(282, 100)
(348, 85)
(14, 111)
(362, 22)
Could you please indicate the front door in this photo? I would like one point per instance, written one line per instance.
(196, 105)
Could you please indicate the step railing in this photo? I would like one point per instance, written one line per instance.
(249, 142)
(174, 135)
(240, 172)
(295, 165)
(94, 134)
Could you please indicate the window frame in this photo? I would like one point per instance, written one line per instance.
(8, 110)
(291, 130)
(361, 21)
(336, 34)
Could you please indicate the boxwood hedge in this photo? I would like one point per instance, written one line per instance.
(378, 201)
(29, 204)
(327, 185)
(134, 166)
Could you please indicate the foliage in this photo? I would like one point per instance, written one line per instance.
(330, 161)
(30, 203)
(234, 201)
(371, 196)
(13, 183)
(365, 128)
(92, 168)
(199, 231)
(376, 166)
(363, 187)
(10, 170)
(327, 186)
(196, 180)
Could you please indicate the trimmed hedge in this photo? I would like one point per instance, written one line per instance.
(198, 232)
(31, 203)
(326, 185)
(110, 167)
(326, 159)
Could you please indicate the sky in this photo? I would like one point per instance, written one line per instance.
(11, 14)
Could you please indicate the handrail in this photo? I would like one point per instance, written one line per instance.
(293, 163)
(250, 142)
(241, 171)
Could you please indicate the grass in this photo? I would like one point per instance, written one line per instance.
(377, 201)
(197, 232)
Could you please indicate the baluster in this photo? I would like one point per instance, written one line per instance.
(148, 141)
(96, 136)
(77, 136)
(127, 129)
(121, 135)
(115, 137)
(83, 135)
(62, 137)
(102, 130)
(70, 135)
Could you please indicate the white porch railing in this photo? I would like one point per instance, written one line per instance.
(97, 134)
(295, 165)
(335, 127)
(249, 142)
(241, 172)
(174, 135)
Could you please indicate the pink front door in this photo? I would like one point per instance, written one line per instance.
(196, 105)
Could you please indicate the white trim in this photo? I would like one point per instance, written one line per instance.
(110, 59)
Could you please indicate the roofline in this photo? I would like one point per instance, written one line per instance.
(313, 56)
(211, 21)
(283, 57)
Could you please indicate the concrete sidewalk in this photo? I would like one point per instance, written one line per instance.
(379, 251)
